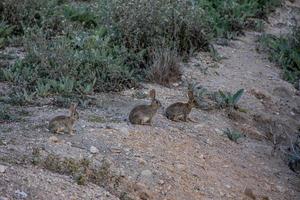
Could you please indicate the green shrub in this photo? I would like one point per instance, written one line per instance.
(5, 31)
(233, 135)
(166, 67)
(33, 13)
(81, 63)
(146, 24)
(231, 100)
(285, 51)
(82, 15)
(106, 45)
(227, 18)
(19, 97)
(5, 114)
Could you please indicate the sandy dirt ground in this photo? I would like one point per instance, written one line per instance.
(169, 160)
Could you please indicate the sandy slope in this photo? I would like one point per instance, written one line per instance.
(175, 161)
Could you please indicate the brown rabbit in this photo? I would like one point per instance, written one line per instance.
(143, 114)
(62, 123)
(179, 111)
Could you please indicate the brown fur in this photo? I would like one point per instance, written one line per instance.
(62, 123)
(179, 111)
(143, 114)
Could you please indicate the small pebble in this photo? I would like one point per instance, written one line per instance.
(2, 168)
(293, 114)
(175, 84)
(20, 194)
(69, 143)
(280, 188)
(94, 150)
(146, 173)
(208, 141)
(53, 139)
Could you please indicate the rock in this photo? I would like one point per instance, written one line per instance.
(124, 130)
(4, 198)
(146, 173)
(2, 168)
(53, 139)
(227, 186)
(282, 92)
(20, 194)
(175, 84)
(236, 116)
(122, 173)
(252, 133)
(142, 161)
(249, 193)
(146, 177)
(218, 131)
(69, 143)
(260, 94)
(208, 141)
(94, 150)
(161, 182)
(280, 189)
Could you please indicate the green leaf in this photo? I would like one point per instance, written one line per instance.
(222, 95)
(236, 97)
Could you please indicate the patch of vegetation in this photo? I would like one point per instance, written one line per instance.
(285, 51)
(233, 135)
(5, 32)
(139, 94)
(97, 119)
(229, 17)
(165, 68)
(84, 170)
(230, 100)
(105, 46)
(208, 100)
(6, 115)
(82, 14)
(19, 97)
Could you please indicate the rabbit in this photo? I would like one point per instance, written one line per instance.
(62, 123)
(179, 111)
(143, 114)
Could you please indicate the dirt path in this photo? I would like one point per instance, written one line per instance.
(173, 161)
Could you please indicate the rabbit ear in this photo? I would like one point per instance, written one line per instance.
(73, 107)
(152, 94)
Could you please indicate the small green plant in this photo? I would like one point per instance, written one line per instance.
(5, 31)
(214, 53)
(285, 51)
(82, 15)
(19, 97)
(139, 95)
(233, 135)
(43, 88)
(7, 75)
(229, 99)
(5, 114)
